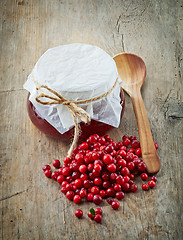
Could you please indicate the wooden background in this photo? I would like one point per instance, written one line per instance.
(32, 206)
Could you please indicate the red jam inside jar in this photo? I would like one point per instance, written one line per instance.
(86, 129)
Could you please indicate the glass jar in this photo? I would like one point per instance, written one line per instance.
(75, 72)
(86, 129)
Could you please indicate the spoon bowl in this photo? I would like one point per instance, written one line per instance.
(132, 71)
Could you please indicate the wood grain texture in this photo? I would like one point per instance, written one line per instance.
(32, 206)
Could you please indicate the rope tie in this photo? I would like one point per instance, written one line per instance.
(72, 107)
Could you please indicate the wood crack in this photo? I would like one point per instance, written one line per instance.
(11, 90)
(15, 194)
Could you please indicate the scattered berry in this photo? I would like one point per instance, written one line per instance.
(115, 205)
(56, 163)
(79, 213)
(48, 173)
(144, 176)
(151, 184)
(46, 167)
(90, 215)
(98, 211)
(153, 178)
(145, 187)
(98, 218)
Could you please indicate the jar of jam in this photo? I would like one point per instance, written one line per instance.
(77, 72)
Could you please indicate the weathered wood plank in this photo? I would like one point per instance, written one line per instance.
(32, 207)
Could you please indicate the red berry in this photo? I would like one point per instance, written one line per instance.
(70, 195)
(97, 167)
(122, 163)
(125, 171)
(97, 199)
(138, 152)
(133, 188)
(64, 183)
(126, 178)
(111, 168)
(46, 167)
(98, 218)
(83, 168)
(90, 215)
(90, 197)
(83, 193)
(56, 163)
(102, 193)
(144, 176)
(107, 159)
(78, 183)
(132, 177)
(126, 141)
(66, 171)
(48, 173)
(117, 187)
(67, 160)
(125, 136)
(63, 190)
(92, 139)
(79, 213)
(98, 181)
(156, 145)
(115, 205)
(131, 150)
(153, 178)
(131, 166)
(84, 177)
(95, 156)
(95, 190)
(110, 192)
(98, 211)
(110, 200)
(77, 199)
(69, 187)
(122, 153)
(151, 184)
(135, 144)
(120, 195)
(54, 175)
(87, 183)
(106, 184)
(109, 148)
(83, 146)
(113, 177)
(133, 138)
(90, 167)
(60, 179)
(126, 187)
(120, 180)
(76, 175)
(145, 187)
(80, 158)
(141, 166)
(101, 140)
(105, 176)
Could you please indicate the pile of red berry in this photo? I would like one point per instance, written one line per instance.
(101, 168)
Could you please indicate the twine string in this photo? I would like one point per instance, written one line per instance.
(75, 110)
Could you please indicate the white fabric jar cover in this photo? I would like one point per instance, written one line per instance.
(77, 72)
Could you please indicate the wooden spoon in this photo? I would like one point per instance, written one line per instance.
(132, 71)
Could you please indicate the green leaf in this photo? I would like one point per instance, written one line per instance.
(92, 211)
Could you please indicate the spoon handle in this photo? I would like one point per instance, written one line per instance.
(149, 153)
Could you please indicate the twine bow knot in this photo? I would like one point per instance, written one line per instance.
(75, 110)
